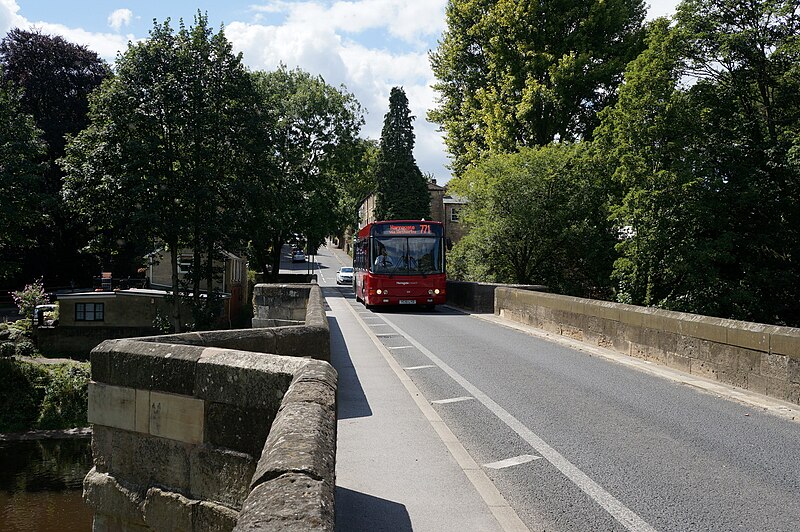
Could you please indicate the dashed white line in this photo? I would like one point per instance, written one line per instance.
(420, 367)
(516, 460)
(400, 347)
(452, 400)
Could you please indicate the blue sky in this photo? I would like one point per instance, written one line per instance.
(369, 46)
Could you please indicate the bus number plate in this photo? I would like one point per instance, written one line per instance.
(408, 301)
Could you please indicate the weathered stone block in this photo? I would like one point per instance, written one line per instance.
(305, 340)
(101, 447)
(302, 439)
(147, 365)
(177, 417)
(146, 460)
(209, 517)
(112, 406)
(166, 510)
(785, 341)
(774, 366)
(244, 379)
(678, 362)
(106, 495)
(749, 335)
(289, 503)
(793, 370)
(221, 476)
(734, 358)
(239, 429)
(704, 368)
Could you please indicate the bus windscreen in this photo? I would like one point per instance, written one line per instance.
(399, 255)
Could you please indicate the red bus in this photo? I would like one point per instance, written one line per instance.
(400, 262)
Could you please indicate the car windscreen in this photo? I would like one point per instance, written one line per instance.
(406, 255)
(347, 270)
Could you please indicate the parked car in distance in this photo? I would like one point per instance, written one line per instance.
(298, 256)
(344, 275)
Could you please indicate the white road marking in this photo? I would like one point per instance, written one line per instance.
(624, 515)
(453, 400)
(421, 367)
(400, 347)
(384, 335)
(516, 460)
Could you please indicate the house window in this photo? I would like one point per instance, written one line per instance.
(185, 264)
(454, 215)
(89, 311)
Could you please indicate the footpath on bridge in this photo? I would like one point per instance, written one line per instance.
(393, 470)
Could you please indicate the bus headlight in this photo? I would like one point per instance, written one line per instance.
(379, 292)
(436, 291)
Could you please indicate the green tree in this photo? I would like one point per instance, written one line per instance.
(170, 143)
(522, 73)
(55, 78)
(711, 186)
(537, 216)
(402, 192)
(312, 130)
(21, 175)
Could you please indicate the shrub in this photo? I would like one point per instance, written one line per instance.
(7, 349)
(66, 398)
(22, 386)
(25, 349)
(42, 396)
(26, 299)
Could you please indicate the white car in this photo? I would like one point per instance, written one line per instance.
(344, 275)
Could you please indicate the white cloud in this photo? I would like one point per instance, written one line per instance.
(8, 16)
(120, 18)
(408, 20)
(105, 44)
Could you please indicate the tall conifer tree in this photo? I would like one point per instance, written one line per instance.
(402, 192)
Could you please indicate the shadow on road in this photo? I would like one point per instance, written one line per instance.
(359, 511)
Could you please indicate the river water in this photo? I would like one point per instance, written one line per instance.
(41, 483)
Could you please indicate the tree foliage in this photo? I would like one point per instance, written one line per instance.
(54, 78)
(312, 130)
(21, 176)
(536, 217)
(170, 142)
(402, 191)
(703, 139)
(523, 73)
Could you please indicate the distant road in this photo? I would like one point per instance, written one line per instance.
(576, 442)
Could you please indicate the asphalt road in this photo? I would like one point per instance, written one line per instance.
(578, 442)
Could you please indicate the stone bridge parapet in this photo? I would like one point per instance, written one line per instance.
(215, 431)
(758, 357)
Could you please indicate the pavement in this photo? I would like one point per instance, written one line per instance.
(398, 466)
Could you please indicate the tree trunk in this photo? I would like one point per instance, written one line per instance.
(176, 296)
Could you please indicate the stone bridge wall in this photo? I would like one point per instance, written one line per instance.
(754, 356)
(479, 297)
(205, 431)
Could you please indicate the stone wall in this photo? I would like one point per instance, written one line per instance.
(479, 297)
(202, 432)
(754, 356)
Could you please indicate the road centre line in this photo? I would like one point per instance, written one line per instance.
(516, 460)
(400, 347)
(453, 400)
(505, 515)
(420, 367)
(624, 515)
